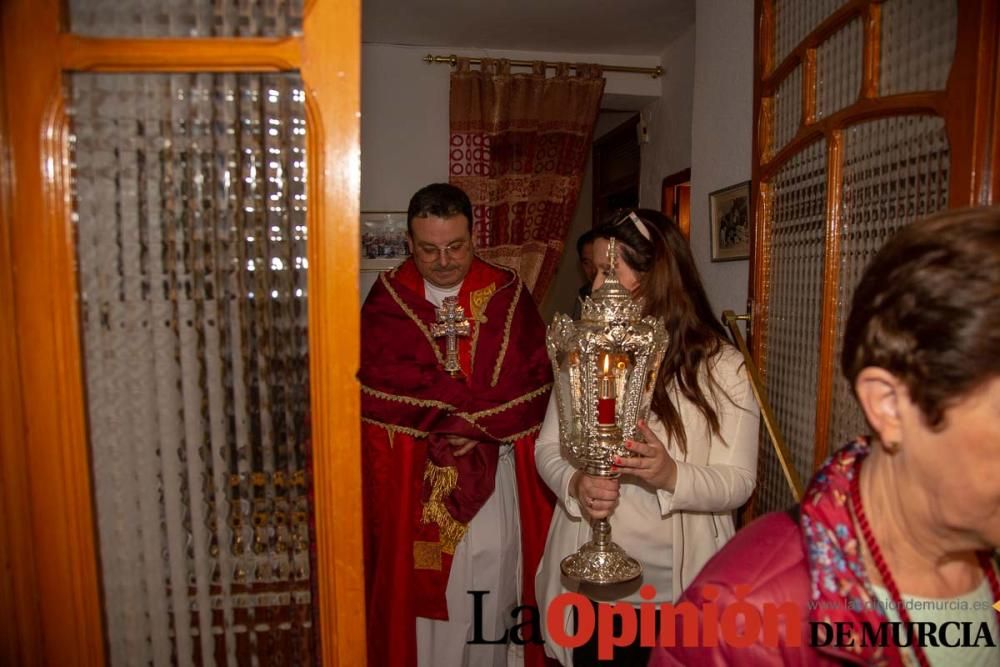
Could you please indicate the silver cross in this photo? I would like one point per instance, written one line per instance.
(451, 323)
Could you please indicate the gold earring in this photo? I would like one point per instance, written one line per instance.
(892, 446)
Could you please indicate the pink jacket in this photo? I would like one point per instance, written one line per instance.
(809, 568)
(768, 554)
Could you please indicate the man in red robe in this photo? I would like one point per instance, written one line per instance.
(452, 398)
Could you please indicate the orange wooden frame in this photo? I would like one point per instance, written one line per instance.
(675, 200)
(49, 546)
(970, 106)
(20, 639)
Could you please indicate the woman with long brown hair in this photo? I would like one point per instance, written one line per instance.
(672, 507)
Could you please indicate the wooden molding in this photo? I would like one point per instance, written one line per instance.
(834, 22)
(934, 103)
(97, 54)
(809, 93)
(55, 455)
(990, 192)
(20, 637)
(764, 42)
(973, 90)
(831, 286)
(332, 77)
(762, 50)
(672, 197)
(871, 57)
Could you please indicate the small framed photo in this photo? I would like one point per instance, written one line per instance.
(729, 215)
(383, 240)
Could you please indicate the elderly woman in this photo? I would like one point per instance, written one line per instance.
(898, 528)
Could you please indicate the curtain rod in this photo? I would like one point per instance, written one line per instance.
(654, 72)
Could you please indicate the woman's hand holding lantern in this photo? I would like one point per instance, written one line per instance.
(651, 462)
(597, 496)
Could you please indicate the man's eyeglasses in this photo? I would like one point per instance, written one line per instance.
(454, 250)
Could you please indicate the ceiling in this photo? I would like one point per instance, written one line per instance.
(618, 27)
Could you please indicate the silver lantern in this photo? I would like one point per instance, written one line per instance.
(605, 369)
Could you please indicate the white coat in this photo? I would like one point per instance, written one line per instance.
(672, 534)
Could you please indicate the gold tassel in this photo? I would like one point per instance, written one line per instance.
(443, 481)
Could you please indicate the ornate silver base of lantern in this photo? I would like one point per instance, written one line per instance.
(601, 561)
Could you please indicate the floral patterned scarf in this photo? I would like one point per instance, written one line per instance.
(841, 591)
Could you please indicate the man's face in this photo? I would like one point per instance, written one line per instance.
(587, 262)
(441, 248)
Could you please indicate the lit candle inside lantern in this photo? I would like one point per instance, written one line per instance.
(606, 394)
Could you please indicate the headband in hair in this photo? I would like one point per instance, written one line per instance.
(640, 225)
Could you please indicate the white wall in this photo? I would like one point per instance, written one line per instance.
(722, 133)
(669, 120)
(404, 119)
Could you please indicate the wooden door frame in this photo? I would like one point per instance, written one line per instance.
(20, 639)
(668, 195)
(973, 136)
(49, 534)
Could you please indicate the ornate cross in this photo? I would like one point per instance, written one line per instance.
(451, 323)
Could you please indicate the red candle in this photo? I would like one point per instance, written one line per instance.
(606, 395)
(606, 411)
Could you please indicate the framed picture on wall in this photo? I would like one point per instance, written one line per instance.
(729, 216)
(383, 240)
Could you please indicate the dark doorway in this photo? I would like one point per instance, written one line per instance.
(616, 170)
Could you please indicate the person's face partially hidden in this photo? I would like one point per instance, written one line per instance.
(441, 248)
(626, 276)
(587, 262)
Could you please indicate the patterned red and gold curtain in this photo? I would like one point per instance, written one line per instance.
(519, 145)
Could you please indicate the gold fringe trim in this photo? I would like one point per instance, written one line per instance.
(512, 438)
(412, 432)
(409, 400)
(413, 316)
(472, 348)
(473, 416)
(468, 416)
(443, 481)
(506, 333)
(394, 428)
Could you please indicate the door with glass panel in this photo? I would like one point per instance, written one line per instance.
(184, 240)
(870, 114)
